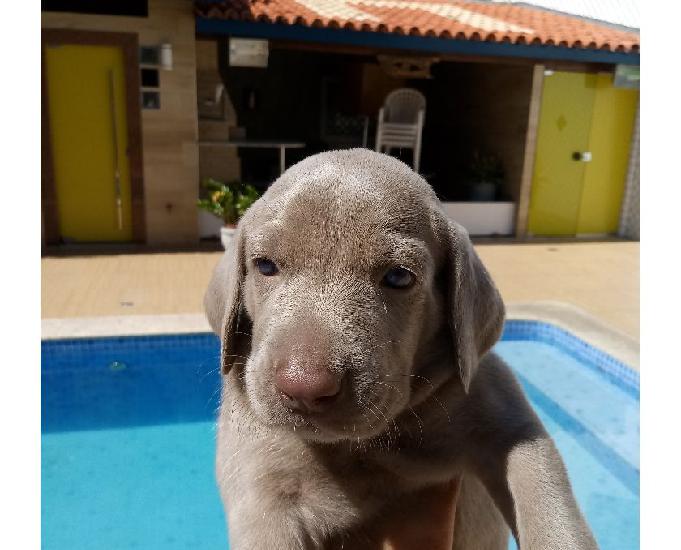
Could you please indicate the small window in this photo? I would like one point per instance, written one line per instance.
(150, 78)
(149, 55)
(151, 100)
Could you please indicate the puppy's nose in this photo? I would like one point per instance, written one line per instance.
(306, 389)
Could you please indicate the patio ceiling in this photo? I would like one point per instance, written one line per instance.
(480, 22)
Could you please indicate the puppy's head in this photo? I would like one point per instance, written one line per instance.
(342, 281)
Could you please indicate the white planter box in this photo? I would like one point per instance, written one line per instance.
(212, 226)
(227, 236)
(483, 218)
(209, 225)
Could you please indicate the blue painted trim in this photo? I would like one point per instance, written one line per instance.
(402, 42)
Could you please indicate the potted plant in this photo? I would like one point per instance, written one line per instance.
(486, 174)
(229, 201)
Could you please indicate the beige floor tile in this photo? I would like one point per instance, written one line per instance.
(601, 278)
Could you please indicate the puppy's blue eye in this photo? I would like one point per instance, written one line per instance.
(266, 267)
(398, 277)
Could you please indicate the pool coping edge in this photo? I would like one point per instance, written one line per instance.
(584, 326)
(123, 325)
(567, 317)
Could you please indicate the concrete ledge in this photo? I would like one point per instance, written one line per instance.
(565, 316)
(581, 324)
(124, 325)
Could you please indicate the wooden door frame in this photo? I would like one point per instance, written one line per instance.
(522, 213)
(129, 45)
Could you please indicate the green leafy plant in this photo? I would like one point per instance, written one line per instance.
(228, 200)
(486, 169)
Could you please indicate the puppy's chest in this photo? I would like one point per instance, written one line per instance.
(319, 478)
(359, 481)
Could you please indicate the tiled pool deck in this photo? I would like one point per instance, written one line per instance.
(601, 279)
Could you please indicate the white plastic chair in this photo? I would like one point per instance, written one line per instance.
(400, 122)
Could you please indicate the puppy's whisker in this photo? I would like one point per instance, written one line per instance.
(392, 388)
(375, 347)
(371, 408)
(420, 423)
(212, 395)
(432, 395)
(389, 432)
(427, 380)
(235, 355)
(208, 373)
(366, 418)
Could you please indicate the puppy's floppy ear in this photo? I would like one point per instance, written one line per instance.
(223, 302)
(476, 310)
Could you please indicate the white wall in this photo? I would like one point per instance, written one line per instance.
(483, 218)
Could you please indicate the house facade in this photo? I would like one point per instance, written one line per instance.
(143, 100)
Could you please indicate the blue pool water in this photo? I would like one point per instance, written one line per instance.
(128, 436)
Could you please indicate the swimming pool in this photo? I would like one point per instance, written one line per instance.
(128, 436)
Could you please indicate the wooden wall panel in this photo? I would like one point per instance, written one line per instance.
(523, 209)
(169, 135)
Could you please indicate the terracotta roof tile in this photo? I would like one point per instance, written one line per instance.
(465, 20)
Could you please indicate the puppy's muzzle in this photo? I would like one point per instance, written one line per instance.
(306, 388)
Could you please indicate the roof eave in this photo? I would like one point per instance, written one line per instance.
(325, 35)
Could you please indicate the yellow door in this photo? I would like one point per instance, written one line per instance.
(564, 126)
(572, 195)
(88, 133)
(605, 176)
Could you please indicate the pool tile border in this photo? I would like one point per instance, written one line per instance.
(613, 369)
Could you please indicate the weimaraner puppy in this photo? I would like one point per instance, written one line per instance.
(356, 324)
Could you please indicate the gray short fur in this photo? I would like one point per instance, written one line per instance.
(428, 401)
